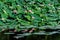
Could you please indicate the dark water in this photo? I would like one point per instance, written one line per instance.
(33, 37)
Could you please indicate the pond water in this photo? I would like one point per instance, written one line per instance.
(34, 36)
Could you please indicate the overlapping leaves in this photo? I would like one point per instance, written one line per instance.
(29, 12)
